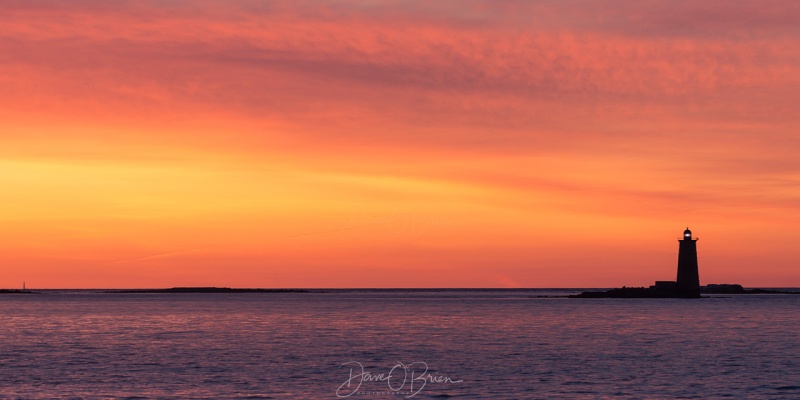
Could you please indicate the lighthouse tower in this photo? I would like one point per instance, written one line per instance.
(688, 282)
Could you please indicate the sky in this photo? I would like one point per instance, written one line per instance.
(351, 144)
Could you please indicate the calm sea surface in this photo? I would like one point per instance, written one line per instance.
(475, 344)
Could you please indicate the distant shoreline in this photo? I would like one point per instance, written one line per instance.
(206, 290)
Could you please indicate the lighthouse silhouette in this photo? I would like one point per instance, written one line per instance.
(688, 282)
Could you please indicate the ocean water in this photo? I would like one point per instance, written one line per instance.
(474, 344)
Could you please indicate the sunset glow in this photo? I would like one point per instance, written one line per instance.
(397, 144)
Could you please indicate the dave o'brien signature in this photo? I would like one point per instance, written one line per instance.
(416, 375)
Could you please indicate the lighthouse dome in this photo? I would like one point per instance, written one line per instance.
(687, 234)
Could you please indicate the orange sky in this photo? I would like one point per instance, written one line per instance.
(397, 144)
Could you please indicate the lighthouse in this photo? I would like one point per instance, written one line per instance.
(686, 286)
(688, 282)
